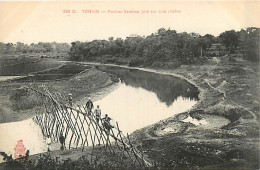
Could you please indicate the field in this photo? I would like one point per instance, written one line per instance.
(79, 80)
(11, 66)
(65, 71)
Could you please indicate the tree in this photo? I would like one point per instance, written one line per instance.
(230, 40)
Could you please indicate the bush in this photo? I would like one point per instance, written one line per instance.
(22, 99)
(136, 62)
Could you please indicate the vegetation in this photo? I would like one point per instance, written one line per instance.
(65, 71)
(40, 47)
(166, 48)
(96, 160)
(245, 41)
(23, 99)
(230, 89)
(28, 66)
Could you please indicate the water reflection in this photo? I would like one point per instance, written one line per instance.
(135, 108)
(141, 99)
(166, 87)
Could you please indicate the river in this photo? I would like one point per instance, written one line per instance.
(140, 99)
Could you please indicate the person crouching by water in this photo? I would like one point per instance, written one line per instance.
(89, 106)
(48, 140)
(98, 114)
(62, 142)
(106, 123)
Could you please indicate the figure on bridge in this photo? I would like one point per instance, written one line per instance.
(48, 140)
(106, 123)
(70, 100)
(98, 113)
(62, 142)
(89, 106)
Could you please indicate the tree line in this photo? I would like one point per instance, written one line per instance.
(166, 47)
(41, 47)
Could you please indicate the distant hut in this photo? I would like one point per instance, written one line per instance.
(216, 50)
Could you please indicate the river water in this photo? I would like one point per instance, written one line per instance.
(140, 99)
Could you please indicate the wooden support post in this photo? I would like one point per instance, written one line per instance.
(89, 125)
(76, 125)
(132, 149)
(124, 145)
(68, 122)
(97, 129)
(92, 121)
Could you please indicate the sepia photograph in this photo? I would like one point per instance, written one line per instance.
(129, 84)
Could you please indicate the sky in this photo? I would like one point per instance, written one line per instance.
(32, 22)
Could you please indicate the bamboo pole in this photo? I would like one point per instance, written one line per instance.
(124, 145)
(100, 137)
(91, 122)
(47, 121)
(76, 123)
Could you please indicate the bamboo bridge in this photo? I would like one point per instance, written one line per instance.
(80, 128)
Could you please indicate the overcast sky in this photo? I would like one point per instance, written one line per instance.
(46, 21)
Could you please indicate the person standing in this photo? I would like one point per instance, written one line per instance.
(48, 140)
(62, 141)
(106, 123)
(89, 106)
(70, 99)
(98, 113)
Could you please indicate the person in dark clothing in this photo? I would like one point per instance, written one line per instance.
(62, 141)
(89, 106)
(106, 123)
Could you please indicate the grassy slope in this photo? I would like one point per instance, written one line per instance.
(82, 85)
(28, 67)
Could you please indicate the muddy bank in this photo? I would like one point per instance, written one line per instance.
(222, 131)
(228, 91)
(15, 106)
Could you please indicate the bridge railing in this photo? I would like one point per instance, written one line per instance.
(80, 128)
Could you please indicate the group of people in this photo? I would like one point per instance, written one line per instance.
(105, 121)
(89, 107)
(61, 139)
(97, 113)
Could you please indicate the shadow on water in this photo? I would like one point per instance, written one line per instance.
(167, 88)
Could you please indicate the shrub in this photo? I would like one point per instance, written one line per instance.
(23, 99)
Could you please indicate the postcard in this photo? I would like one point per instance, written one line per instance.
(129, 84)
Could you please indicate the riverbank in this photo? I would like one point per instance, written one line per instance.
(90, 83)
(229, 88)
